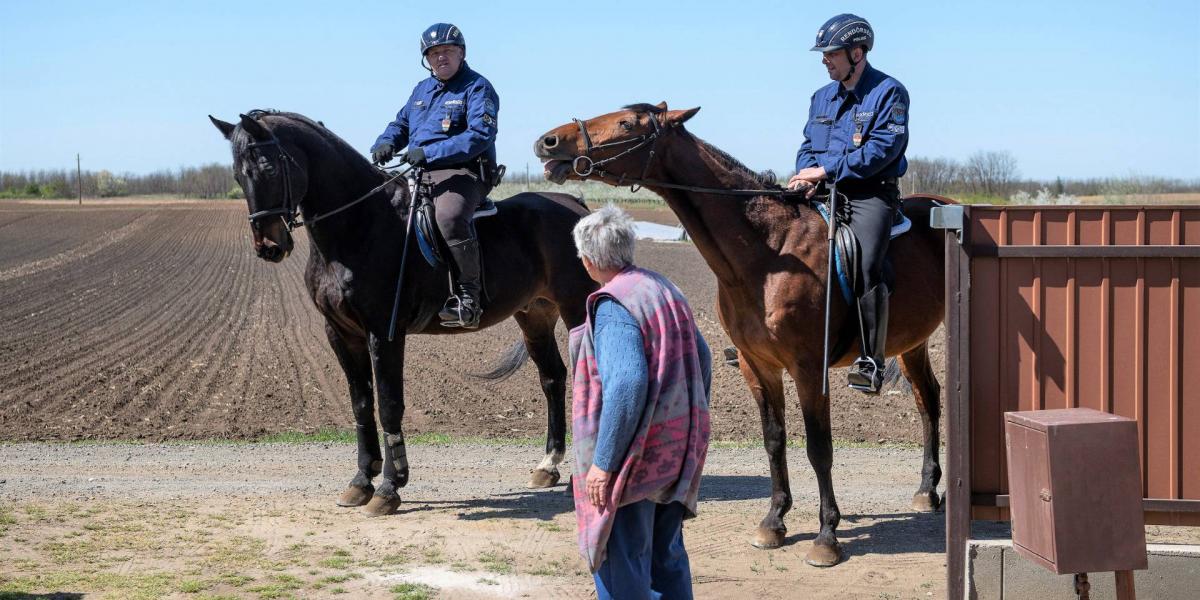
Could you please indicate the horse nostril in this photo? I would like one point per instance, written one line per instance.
(550, 141)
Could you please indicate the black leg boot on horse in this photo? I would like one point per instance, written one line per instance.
(465, 309)
(866, 374)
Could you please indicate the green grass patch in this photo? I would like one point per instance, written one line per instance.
(235, 580)
(193, 586)
(497, 561)
(132, 587)
(335, 562)
(279, 587)
(412, 591)
(337, 436)
(801, 443)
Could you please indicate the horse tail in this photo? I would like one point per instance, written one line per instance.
(509, 362)
(893, 379)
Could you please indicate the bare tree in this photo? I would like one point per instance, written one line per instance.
(992, 173)
(933, 175)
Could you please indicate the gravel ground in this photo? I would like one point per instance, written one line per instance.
(231, 519)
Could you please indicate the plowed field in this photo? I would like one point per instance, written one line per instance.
(154, 320)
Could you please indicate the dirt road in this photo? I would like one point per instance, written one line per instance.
(259, 521)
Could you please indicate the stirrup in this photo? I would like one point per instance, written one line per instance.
(865, 375)
(461, 315)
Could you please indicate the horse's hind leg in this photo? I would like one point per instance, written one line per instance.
(766, 385)
(356, 363)
(537, 322)
(916, 368)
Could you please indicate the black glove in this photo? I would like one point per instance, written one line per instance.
(382, 153)
(416, 156)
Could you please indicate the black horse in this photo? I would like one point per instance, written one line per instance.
(289, 164)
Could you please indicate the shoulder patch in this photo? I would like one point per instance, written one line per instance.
(899, 113)
(489, 106)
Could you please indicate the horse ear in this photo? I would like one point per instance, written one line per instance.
(675, 118)
(254, 128)
(226, 129)
(662, 105)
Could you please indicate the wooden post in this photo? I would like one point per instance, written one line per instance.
(79, 178)
(1125, 589)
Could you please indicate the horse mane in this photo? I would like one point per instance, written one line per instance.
(741, 176)
(764, 180)
(299, 122)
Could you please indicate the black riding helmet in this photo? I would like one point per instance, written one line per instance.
(845, 32)
(441, 34)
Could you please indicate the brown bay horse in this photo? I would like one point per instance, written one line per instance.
(291, 166)
(769, 256)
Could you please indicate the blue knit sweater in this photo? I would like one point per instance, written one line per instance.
(624, 376)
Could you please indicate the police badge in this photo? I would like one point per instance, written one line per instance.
(446, 123)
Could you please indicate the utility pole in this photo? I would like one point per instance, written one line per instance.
(79, 178)
(527, 176)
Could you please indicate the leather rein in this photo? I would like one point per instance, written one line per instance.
(590, 165)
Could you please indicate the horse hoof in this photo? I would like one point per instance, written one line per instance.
(767, 539)
(355, 496)
(381, 506)
(541, 478)
(927, 502)
(824, 556)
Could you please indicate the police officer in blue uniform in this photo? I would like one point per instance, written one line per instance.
(449, 128)
(856, 135)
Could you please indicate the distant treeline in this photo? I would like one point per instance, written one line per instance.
(209, 181)
(983, 175)
(995, 175)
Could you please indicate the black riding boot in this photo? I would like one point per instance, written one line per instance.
(866, 374)
(465, 309)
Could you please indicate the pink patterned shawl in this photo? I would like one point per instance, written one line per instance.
(666, 456)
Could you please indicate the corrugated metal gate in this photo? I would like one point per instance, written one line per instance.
(1062, 307)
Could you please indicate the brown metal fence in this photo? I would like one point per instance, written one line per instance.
(1062, 307)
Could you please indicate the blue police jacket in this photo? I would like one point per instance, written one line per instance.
(452, 121)
(860, 133)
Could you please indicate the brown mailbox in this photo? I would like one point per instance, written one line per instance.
(1075, 490)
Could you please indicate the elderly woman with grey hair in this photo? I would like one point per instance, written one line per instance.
(639, 418)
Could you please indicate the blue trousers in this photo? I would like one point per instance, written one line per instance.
(646, 558)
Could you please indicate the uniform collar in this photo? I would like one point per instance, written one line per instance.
(860, 89)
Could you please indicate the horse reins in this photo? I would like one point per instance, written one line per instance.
(642, 141)
(290, 209)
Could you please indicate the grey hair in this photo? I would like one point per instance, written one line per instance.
(606, 238)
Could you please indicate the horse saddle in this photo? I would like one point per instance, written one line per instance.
(845, 250)
(429, 237)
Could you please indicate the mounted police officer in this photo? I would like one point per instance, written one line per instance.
(449, 128)
(856, 135)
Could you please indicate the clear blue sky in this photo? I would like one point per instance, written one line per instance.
(1077, 89)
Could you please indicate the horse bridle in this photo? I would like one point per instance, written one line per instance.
(648, 139)
(590, 164)
(291, 208)
(288, 211)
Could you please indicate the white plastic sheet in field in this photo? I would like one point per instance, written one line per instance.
(645, 230)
